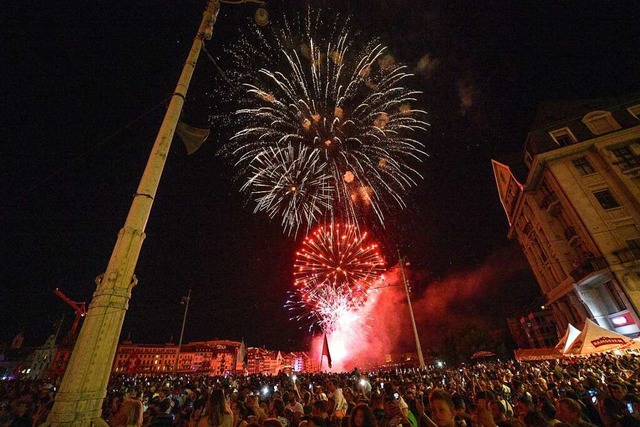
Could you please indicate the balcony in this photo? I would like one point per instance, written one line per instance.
(572, 236)
(627, 254)
(547, 200)
(588, 267)
(551, 204)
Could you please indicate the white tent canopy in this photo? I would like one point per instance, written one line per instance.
(596, 339)
(569, 336)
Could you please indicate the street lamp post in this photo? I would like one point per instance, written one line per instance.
(83, 388)
(413, 319)
(185, 301)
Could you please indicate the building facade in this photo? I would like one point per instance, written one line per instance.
(540, 329)
(576, 215)
(534, 330)
(215, 357)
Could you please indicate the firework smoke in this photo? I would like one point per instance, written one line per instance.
(440, 307)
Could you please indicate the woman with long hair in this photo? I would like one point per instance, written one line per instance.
(362, 416)
(217, 411)
(133, 409)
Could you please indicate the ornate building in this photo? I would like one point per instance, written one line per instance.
(576, 214)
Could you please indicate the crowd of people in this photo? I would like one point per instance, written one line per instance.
(601, 390)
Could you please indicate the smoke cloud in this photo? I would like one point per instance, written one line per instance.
(480, 297)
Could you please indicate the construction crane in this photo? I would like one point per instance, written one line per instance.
(79, 307)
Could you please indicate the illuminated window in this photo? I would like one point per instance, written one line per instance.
(606, 199)
(563, 137)
(634, 111)
(583, 165)
(600, 122)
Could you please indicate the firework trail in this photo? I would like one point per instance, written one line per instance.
(327, 129)
(334, 271)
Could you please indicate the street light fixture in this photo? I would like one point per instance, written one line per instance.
(403, 263)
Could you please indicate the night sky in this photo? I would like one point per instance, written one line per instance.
(84, 91)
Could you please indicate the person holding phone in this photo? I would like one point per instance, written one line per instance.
(613, 413)
(633, 405)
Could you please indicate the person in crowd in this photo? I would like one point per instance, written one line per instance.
(162, 413)
(134, 412)
(482, 414)
(319, 394)
(349, 396)
(632, 402)
(272, 422)
(239, 411)
(277, 411)
(569, 412)
(442, 408)
(377, 407)
(535, 419)
(412, 410)
(463, 418)
(498, 412)
(523, 406)
(547, 409)
(586, 380)
(217, 412)
(294, 405)
(254, 409)
(618, 390)
(317, 422)
(340, 403)
(130, 413)
(393, 415)
(362, 416)
(320, 411)
(613, 413)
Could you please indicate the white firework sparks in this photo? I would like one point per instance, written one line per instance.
(330, 121)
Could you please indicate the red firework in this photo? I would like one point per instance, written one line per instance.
(334, 270)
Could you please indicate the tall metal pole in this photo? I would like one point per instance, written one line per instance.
(83, 388)
(184, 321)
(413, 319)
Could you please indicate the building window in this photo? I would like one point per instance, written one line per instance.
(583, 165)
(627, 159)
(634, 111)
(600, 122)
(606, 199)
(563, 137)
(619, 305)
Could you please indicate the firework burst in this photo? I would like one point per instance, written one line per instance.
(333, 272)
(330, 120)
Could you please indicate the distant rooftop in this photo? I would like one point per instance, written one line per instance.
(557, 115)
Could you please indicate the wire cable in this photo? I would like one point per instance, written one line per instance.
(84, 155)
